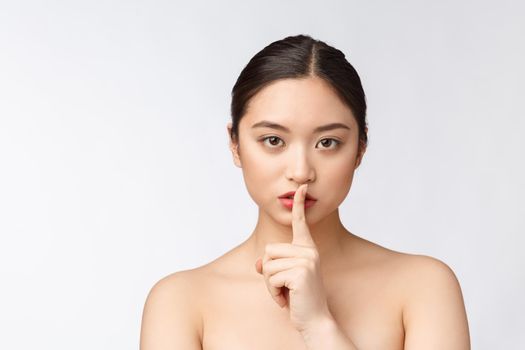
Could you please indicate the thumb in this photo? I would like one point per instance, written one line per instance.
(258, 265)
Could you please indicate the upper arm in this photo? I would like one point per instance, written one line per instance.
(434, 315)
(170, 319)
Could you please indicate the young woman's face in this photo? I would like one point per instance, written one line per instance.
(275, 161)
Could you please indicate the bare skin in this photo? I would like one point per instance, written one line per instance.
(364, 301)
(379, 298)
(376, 296)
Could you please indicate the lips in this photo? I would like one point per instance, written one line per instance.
(292, 193)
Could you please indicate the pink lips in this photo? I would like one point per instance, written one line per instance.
(288, 203)
(292, 194)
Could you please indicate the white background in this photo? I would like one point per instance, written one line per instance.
(115, 170)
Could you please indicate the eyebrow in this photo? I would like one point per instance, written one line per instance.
(272, 125)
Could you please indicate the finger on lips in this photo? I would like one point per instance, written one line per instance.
(278, 261)
(299, 199)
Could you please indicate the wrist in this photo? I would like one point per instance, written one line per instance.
(319, 327)
(322, 321)
(325, 333)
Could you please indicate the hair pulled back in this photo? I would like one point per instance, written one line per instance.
(299, 56)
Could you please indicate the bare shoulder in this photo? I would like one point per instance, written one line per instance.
(434, 314)
(171, 317)
(428, 293)
(424, 274)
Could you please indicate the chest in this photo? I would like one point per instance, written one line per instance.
(246, 317)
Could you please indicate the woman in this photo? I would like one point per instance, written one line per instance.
(301, 280)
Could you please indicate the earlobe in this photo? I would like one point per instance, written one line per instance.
(234, 147)
(360, 157)
(357, 162)
(235, 153)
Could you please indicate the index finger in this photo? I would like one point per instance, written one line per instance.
(301, 233)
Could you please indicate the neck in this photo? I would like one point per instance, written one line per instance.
(328, 235)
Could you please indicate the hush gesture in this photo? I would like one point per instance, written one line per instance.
(292, 272)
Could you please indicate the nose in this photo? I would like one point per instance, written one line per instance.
(299, 169)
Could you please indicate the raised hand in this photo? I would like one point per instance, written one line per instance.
(292, 272)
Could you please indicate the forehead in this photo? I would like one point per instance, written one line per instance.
(306, 102)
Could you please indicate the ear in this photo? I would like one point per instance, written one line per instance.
(234, 147)
(360, 157)
(362, 152)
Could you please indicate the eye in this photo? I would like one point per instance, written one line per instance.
(332, 141)
(274, 139)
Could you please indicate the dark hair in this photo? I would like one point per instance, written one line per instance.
(299, 56)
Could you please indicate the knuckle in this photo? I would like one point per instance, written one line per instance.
(266, 271)
(303, 272)
(271, 281)
(311, 264)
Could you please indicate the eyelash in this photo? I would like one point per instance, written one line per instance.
(337, 142)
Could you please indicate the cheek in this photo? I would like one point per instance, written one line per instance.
(260, 174)
(339, 177)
